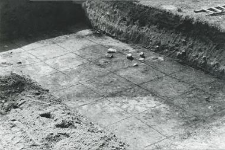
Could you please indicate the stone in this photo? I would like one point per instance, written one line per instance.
(161, 58)
(130, 57)
(157, 48)
(135, 64)
(142, 54)
(169, 7)
(154, 58)
(112, 50)
(141, 59)
(109, 55)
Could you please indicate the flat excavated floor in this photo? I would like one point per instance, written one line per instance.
(157, 104)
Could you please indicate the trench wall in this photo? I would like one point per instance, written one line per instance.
(188, 40)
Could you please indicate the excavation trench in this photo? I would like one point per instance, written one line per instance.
(63, 70)
(185, 39)
(190, 41)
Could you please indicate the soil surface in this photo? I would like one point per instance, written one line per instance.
(86, 90)
(147, 100)
(187, 39)
(32, 119)
(187, 8)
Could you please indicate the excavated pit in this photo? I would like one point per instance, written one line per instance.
(188, 40)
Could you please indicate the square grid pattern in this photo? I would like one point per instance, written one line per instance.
(142, 104)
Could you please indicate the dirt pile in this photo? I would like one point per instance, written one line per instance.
(12, 88)
(190, 41)
(36, 120)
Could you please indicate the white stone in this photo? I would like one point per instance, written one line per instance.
(112, 50)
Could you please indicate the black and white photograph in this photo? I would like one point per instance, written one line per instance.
(112, 75)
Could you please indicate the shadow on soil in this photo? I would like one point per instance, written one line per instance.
(24, 40)
(37, 20)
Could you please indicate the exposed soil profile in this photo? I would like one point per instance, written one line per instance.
(32, 119)
(191, 41)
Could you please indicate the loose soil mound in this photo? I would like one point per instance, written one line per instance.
(189, 40)
(32, 119)
(13, 87)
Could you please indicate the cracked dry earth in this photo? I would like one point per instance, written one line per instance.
(138, 104)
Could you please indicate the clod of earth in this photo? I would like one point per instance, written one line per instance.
(181, 55)
(207, 99)
(184, 41)
(157, 48)
(46, 115)
(65, 124)
(6, 64)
